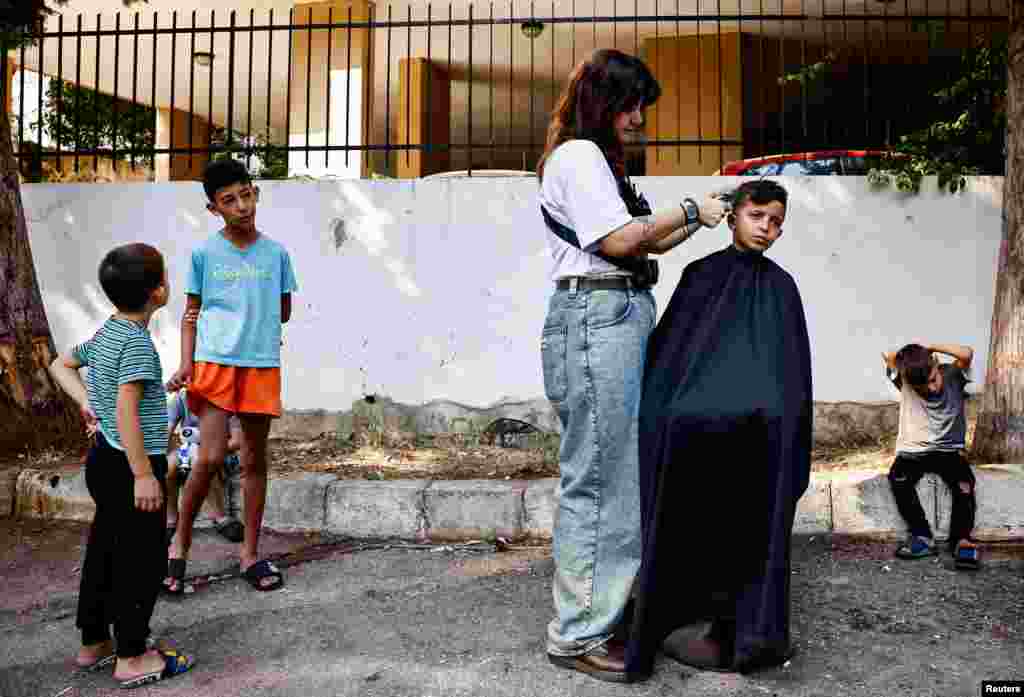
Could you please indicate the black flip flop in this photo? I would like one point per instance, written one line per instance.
(261, 570)
(175, 572)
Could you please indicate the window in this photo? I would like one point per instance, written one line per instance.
(768, 169)
(828, 165)
(855, 166)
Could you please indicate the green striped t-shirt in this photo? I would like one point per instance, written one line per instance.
(122, 352)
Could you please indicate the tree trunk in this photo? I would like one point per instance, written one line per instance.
(34, 413)
(999, 436)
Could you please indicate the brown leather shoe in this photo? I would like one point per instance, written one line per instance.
(607, 662)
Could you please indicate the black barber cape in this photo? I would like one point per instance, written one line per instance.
(725, 443)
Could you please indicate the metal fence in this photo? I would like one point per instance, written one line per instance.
(317, 90)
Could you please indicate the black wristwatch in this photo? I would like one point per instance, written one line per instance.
(691, 210)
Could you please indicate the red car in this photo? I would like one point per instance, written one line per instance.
(846, 162)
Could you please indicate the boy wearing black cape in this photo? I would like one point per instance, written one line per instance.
(725, 442)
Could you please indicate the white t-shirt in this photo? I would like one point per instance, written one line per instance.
(579, 191)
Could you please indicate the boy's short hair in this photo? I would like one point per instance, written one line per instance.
(914, 363)
(222, 173)
(760, 192)
(130, 273)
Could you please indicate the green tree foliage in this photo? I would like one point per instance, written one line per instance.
(966, 132)
(93, 120)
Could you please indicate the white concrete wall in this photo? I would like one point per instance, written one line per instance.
(437, 289)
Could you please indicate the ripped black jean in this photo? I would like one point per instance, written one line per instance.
(954, 470)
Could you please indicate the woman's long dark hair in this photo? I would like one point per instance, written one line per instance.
(600, 88)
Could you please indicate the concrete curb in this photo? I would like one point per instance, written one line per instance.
(858, 502)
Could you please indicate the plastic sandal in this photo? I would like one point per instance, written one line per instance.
(98, 664)
(176, 573)
(966, 557)
(261, 570)
(174, 664)
(916, 548)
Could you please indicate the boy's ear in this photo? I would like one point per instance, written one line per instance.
(210, 207)
(731, 220)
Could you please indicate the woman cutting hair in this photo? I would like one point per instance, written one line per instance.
(600, 232)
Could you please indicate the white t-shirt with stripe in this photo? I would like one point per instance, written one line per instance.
(122, 352)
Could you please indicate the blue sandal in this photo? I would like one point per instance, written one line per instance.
(966, 557)
(174, 664)
(916, 547)
(261, 570)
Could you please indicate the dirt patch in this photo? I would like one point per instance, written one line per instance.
(915, 627)
(457, 456)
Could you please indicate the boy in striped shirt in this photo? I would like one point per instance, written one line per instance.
(125, 471)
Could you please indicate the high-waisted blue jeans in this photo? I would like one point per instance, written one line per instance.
(593, 349)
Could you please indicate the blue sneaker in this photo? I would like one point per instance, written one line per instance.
(917, 547)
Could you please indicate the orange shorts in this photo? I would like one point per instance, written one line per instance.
(235, 389)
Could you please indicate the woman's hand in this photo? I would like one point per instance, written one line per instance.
(712, 210)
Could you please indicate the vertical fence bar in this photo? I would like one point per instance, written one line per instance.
(288, 88)
(229, 120)
(387, 98)
(328, 109)
(533, 124)
(430, 71)
(152, 155)
(657, 61)
(408, 88)
(450, 139)
(803, 63)
(209, 96)
(78, 83)
(96, 156)
(469, 93)
(886, 72)
(366, 105)
(763, 73)
(174, 62)
(191, 88)
(248, 98)
(60, 89)
(679, 92)
(309, 76)
(615, 24)
(867, 82)
(511, 71)
(490, 82)
(117, 62)
(636, 28)
(824, 73)
(270, 69)
(554, 82)
(21, 93)
(135, 85)
(39, 93)
(573, 39)
(721, 120)
(846, 50)
(783, 28)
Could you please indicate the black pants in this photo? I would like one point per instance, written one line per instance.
(126, 558)
(954, 469)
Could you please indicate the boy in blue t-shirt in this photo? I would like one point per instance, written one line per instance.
(125, 471)
(238, 296)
